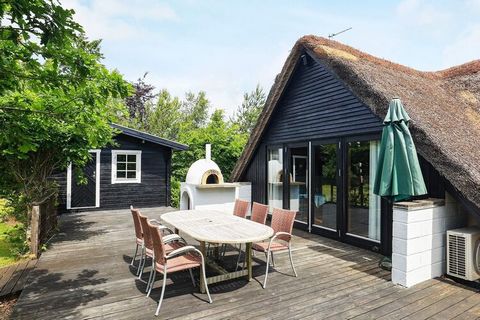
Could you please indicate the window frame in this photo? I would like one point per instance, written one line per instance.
(138, 167)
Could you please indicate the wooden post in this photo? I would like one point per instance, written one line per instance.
(35, 230)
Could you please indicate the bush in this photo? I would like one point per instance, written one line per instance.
(175, 193)
(6, 210)
(16, 237)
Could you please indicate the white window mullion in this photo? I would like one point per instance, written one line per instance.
(126, 162)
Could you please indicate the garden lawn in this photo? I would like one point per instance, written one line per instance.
(6, 256)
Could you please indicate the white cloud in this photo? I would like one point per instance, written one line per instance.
(421, 13)
(119, 20)
(465, 48)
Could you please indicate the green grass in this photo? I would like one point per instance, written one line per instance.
(6, 256)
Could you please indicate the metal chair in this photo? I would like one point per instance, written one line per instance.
(184, 258)
(282, 225)
(139, 236)
(240, 209)
(259, 215)
(171, 242)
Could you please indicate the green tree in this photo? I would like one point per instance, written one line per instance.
(247, 114)
(55, 96)
(227, 145)
(195, 109)
(165, 117)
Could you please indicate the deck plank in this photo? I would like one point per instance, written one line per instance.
(86, 274)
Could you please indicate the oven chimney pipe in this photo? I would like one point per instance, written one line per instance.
(208, 151)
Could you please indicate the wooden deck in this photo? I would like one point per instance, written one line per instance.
(86, 275)
(13, 277)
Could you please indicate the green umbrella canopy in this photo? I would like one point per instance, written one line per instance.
(398, 176)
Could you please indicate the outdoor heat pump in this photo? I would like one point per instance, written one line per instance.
(463, 253)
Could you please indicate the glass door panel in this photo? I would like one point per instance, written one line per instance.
(324, 184)
(298, 182)
(363, 207)
(275, 177)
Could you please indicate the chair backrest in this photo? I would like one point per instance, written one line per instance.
(259, 212)
(147, 238)
(158, 247)
(241, 208)
(136, 223)
(282, 221)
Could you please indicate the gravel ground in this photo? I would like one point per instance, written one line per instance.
(6, 305)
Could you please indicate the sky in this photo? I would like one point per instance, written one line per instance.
(226, 48)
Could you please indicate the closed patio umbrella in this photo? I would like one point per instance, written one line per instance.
(398, 176)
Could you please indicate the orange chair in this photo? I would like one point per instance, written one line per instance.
(187, 257)
(139, 236)
(241, 208)
(282, 225)
(259, 215)
(171, 242)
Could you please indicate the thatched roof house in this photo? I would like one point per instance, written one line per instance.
(444, 106)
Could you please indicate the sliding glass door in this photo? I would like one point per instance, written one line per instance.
(298, 182)
(275, 177)
(363, 207)
(329, 183)
(325, 197)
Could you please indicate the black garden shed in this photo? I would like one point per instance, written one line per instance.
(135, 171)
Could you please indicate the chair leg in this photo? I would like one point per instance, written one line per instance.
(266, 270)
(164, 284)
(273, 261)
(143, 265)
(204, 275)
(152, 283)
(192, 277)
(239, 254)
(150, 276)
(223, 250)
(291, 260)
(142, 259)
(135, 255)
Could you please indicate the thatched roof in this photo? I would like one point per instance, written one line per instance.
(444, 106)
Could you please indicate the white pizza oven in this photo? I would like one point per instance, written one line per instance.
(205, 188)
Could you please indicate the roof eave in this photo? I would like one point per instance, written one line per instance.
(149, 137)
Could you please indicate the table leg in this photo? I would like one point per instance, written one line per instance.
(203, 250)
(248, 253)
(216, 251)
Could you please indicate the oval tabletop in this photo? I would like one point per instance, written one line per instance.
(217, 227)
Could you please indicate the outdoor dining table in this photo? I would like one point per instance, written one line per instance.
(217, 227)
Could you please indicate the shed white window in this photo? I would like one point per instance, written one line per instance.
(126, 166)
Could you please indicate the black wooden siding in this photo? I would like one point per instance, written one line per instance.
(154, 189)
(315, 105)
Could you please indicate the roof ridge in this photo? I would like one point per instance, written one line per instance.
(318, 44)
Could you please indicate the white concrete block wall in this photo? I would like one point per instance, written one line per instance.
(419, 235)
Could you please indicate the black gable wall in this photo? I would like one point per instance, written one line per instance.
(315, 105)
(154, 189)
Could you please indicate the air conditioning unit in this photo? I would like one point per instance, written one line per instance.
(463, 253)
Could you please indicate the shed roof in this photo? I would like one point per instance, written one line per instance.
(444, 106)
(149, 137)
